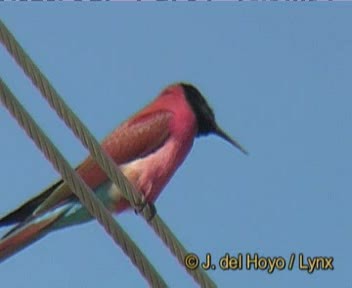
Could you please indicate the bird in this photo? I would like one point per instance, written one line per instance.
(148, 148)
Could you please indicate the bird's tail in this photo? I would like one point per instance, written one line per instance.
(29, 231)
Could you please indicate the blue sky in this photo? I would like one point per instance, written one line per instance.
(279, 79)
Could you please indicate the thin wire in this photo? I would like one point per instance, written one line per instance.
(89, 141)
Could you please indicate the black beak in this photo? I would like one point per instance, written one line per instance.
(218, 131)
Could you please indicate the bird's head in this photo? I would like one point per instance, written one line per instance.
(205, 116)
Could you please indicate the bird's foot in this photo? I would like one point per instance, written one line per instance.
(147, 208)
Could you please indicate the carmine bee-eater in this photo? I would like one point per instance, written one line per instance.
(148, 148)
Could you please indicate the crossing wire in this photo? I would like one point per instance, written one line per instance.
(89, 141)
(80, 188)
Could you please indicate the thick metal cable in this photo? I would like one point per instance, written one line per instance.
(89, 141)
(80, 188)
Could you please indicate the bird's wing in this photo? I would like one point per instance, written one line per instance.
(21, 213)
(136, 138)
